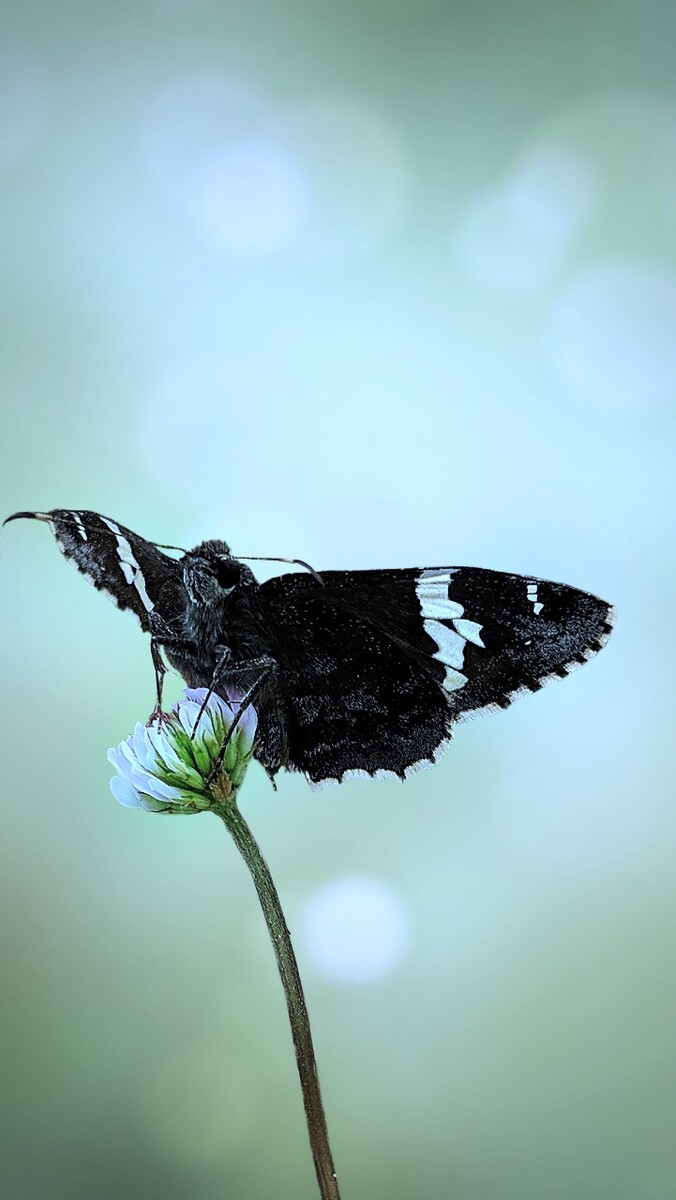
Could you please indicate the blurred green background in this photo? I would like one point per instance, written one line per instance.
(371, 283)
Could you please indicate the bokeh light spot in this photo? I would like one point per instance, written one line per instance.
(358, 173)
(193, 120)
(329, 172)
(248, 197)
(355, 930)
(511, 239)
(553, 194)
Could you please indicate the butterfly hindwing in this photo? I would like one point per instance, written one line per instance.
(360, 698)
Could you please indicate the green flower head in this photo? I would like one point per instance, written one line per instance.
(173, 766)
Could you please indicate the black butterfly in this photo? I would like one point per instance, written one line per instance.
(351, 672)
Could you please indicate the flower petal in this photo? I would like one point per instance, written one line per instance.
(126, 760)
(248, 723)
(187, 712)
(140, 748)
(148, 804)
(150, 785)
(116, 757)
(125, 793)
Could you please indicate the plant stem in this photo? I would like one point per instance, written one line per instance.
(293, 990)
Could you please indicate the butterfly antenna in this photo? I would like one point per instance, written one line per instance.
(298, 562)
(161, 546)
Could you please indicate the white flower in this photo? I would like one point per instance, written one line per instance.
(168, 766)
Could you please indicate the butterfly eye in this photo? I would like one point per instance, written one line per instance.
(227, 574)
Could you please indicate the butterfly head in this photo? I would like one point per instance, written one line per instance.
(210, 573)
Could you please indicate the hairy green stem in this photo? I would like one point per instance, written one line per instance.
(293, 991)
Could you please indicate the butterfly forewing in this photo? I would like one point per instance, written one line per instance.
(132, 572)
(519, 632)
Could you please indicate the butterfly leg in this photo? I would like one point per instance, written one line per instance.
(224, 658)
(160, 636)
(263, 666)
(222, 668)
(160, 669)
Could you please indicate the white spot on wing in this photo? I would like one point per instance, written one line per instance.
(113, 528)
(433, 588)
(451, 645)
(532, 595)
(79, 526)
(140, 585)
(453, 680)
(129, 565)
(432, 591)
(469, 630)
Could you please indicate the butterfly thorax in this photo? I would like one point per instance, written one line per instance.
(221, 607)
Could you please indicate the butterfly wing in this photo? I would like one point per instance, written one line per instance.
(131, 571)
(358, 698)
(515, 633)
(375, 666)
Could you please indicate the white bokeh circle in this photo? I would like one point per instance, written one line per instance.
(327, 175)
(191, 120)
(357, 169)
(208, 149)
(511, 239)
(554, 194)
(248, 197)
(355, 930)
